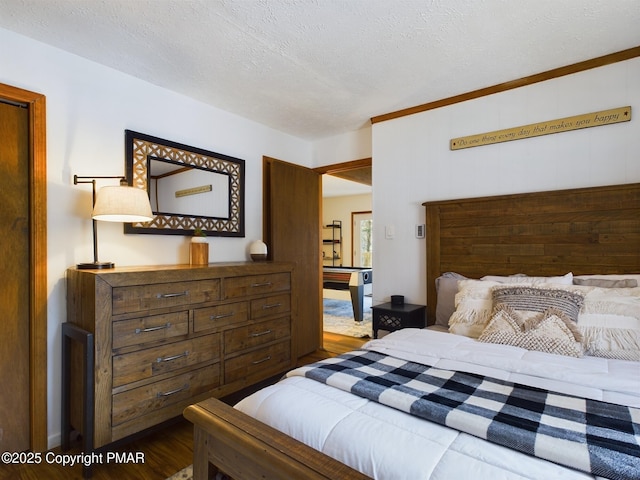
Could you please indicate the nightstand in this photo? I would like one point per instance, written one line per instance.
(391, 317)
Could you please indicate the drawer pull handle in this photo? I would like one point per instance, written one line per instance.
(265, 284)
(224, 315)
(153, 329)
(173, 357)
(266, 359)
(173, 392)
(172, 295)
(273, 305)
(260, 334)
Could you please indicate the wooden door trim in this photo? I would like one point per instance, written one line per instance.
(38, 261)
(510, 85)
(344, 167)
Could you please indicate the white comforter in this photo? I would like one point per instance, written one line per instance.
(387, 444)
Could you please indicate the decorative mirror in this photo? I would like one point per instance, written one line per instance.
(189, 188)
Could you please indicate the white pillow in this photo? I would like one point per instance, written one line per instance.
(526, 280)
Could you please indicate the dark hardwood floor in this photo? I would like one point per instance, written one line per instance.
(165, 451)
(334, 344)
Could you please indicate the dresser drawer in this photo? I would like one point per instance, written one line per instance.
(256, 334)
(144, 400)
(256, 285)
(257, 362)
(139, 331)
(220, 316)
(272, 305)
(142, 298)
(143, 364)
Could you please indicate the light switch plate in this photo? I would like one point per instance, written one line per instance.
(420, 231)
(389, 232)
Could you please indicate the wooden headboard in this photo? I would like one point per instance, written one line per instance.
(584, 231)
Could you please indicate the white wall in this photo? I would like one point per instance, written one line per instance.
(413, 163)
(341, 208)
(88, 108)
(343, 148)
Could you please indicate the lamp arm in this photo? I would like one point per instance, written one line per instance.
(78, 179)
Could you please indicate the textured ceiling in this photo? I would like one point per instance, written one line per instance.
(316, 68)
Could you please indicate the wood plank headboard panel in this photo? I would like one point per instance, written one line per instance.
(584, 231)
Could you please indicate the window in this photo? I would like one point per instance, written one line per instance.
(362, 239)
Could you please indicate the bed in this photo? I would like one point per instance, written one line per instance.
(498, 341)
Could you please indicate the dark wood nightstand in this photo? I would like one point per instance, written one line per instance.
(390, 317)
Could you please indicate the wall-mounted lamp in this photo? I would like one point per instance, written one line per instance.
(114, 204)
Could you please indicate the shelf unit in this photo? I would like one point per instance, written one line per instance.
(332, 244)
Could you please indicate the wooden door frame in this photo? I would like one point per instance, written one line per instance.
(344, 167)
(38, 261)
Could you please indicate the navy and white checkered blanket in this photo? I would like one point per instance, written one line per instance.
(588, 435)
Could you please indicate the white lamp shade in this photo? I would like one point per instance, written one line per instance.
(122, 204)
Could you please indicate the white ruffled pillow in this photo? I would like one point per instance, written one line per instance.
(609, 322)
(473, 307)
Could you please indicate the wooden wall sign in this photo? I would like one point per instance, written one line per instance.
(194, 191)
(595, 119)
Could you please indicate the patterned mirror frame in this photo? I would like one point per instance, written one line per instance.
(140, 148)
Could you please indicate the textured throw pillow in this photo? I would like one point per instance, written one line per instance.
(609, 322)
(530, 301)
(550, 331)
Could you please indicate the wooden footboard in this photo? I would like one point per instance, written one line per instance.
(244, 448)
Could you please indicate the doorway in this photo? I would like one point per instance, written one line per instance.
(347, 247)
(29, 222)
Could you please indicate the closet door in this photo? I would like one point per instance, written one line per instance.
(32, 161)
(292, 201)
(14, 271)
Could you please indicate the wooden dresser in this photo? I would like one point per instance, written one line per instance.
(165, 337)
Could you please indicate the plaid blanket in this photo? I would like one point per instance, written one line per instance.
(588, 435)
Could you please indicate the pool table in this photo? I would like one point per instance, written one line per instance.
(357, 280)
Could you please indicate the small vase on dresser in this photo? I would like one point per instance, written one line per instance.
(199, 251)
